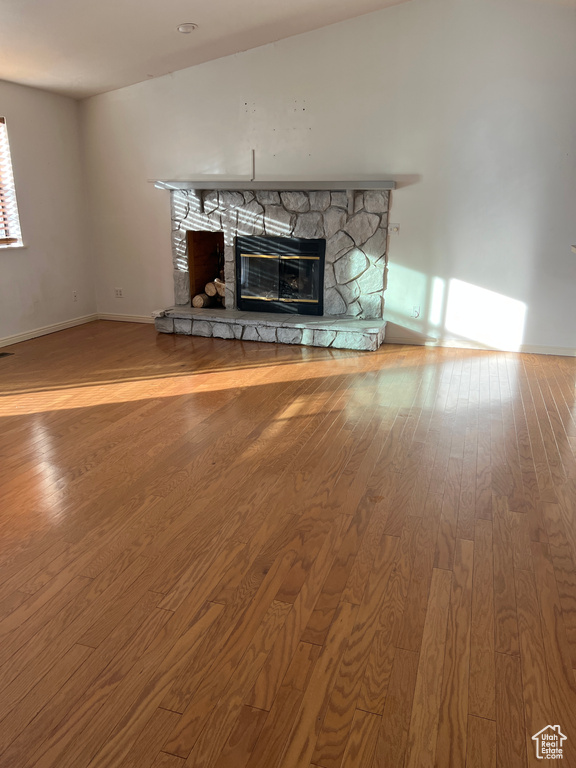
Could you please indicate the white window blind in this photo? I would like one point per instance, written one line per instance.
(10, 234)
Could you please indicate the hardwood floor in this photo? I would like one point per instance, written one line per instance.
(227, 555)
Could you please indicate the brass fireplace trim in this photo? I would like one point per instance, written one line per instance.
(287, 301)
(277, 256)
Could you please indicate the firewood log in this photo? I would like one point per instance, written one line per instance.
(220, 287)
(201, 300)
(210, 289)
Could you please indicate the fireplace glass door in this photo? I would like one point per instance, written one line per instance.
(280, 274)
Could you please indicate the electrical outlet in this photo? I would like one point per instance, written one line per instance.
(119, 293)
(416, 310)
(74, 295)
(393, 229)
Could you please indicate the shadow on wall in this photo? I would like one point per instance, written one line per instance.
(456, 311)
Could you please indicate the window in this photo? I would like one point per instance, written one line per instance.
(10, 234)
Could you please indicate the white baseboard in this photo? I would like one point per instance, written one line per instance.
(535, 350)
(464, 344)
(409, 341)
(46, 329)
(126, 318)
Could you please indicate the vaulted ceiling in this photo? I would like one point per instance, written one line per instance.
(84, 47)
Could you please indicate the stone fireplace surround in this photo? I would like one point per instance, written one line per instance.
(355, 226)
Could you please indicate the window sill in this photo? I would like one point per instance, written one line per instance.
(12, 247)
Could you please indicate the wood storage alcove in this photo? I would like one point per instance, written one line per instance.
(206, 265)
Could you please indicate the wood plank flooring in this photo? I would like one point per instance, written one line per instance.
(227, 555)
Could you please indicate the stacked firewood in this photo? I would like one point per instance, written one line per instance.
(213, 296)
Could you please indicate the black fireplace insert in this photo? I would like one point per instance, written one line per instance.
(280, 274)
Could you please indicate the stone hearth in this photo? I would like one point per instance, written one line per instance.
(309, 330)
(353, 222)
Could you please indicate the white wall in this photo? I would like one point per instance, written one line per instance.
(468, 103)
(37, 281)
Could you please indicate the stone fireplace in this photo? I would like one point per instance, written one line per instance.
(351, 226)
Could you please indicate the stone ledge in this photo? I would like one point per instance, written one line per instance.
(337, 332)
